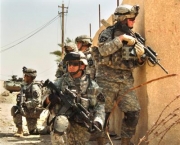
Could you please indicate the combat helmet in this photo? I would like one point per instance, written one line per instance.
(80, 56)
(29, 72)
(70, 46)
(125, 11)
(85, 39)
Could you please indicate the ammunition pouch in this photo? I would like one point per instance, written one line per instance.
(128, 53)
(125, 59)
(14, 110)
(60, 124)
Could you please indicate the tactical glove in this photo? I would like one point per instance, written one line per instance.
(53, 98)
(129, 39)
(139, 48)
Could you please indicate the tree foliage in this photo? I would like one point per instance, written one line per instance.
(58, 53)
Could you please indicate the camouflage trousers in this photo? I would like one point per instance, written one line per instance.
(74, 135)
(126, 100)
(31, 118)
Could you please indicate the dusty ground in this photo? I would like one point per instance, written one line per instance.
(7, 127)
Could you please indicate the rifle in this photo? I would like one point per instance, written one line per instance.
(20, 101)
(69, 101)
(149, 52)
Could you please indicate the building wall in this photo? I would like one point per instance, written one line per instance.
(158, 21)
(162, 31)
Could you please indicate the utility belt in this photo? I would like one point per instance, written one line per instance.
(125, 59)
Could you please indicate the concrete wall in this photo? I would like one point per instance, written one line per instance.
(158, 21)
(162, 31)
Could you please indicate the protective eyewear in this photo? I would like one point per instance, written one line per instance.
(131, 19)
(73, 63)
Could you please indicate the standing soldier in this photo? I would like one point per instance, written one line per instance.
(69, 47)
(84, 43)
(119, 54)
(28, 104)
(68, 126)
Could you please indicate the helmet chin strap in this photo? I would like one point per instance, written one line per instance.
(80, 49)
(74, 73)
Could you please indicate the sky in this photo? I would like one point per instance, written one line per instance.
(27, 37)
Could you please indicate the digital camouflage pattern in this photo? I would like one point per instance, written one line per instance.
(115, 87)
(31, 107)
(87, 40)
(87, 92)
(69, 47)
(75, 135)
(114, 66)
(90, 68)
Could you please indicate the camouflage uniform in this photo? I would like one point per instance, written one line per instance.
(114, 74)
(88, 93)
(31, 105)
(69, 47)
(90, 69)
(87, 41)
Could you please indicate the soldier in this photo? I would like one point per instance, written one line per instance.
(84, 43)
(68, 128)
(28, 104)
(119, 54)
(69, 47)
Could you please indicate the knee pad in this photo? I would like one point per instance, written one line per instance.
(131, 118)
(60, 125)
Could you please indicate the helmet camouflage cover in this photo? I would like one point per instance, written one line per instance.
(29, 72)
(70, 46)
(123, 12)
(85, 39)
(80, 56)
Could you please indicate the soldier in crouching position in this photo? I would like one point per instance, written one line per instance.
(28, 104)
(75, 119)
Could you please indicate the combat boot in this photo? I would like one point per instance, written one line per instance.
(44, 131)
(126, 141)
(34, 132)
(19, 132)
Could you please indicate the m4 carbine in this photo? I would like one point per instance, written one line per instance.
(149, 52)
(69, 102)
(20, 101)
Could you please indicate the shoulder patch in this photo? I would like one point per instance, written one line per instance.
(35, 94)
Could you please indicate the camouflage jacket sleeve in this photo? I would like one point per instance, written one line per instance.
(100, 114)
(107, 45)
(97, 100)
(35, 100)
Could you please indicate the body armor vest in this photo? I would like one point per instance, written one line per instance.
(28, 92)
(125, 58)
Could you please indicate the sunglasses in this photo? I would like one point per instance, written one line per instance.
(73, 63)
(131, 19)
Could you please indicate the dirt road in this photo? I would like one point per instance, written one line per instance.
(7, 127)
